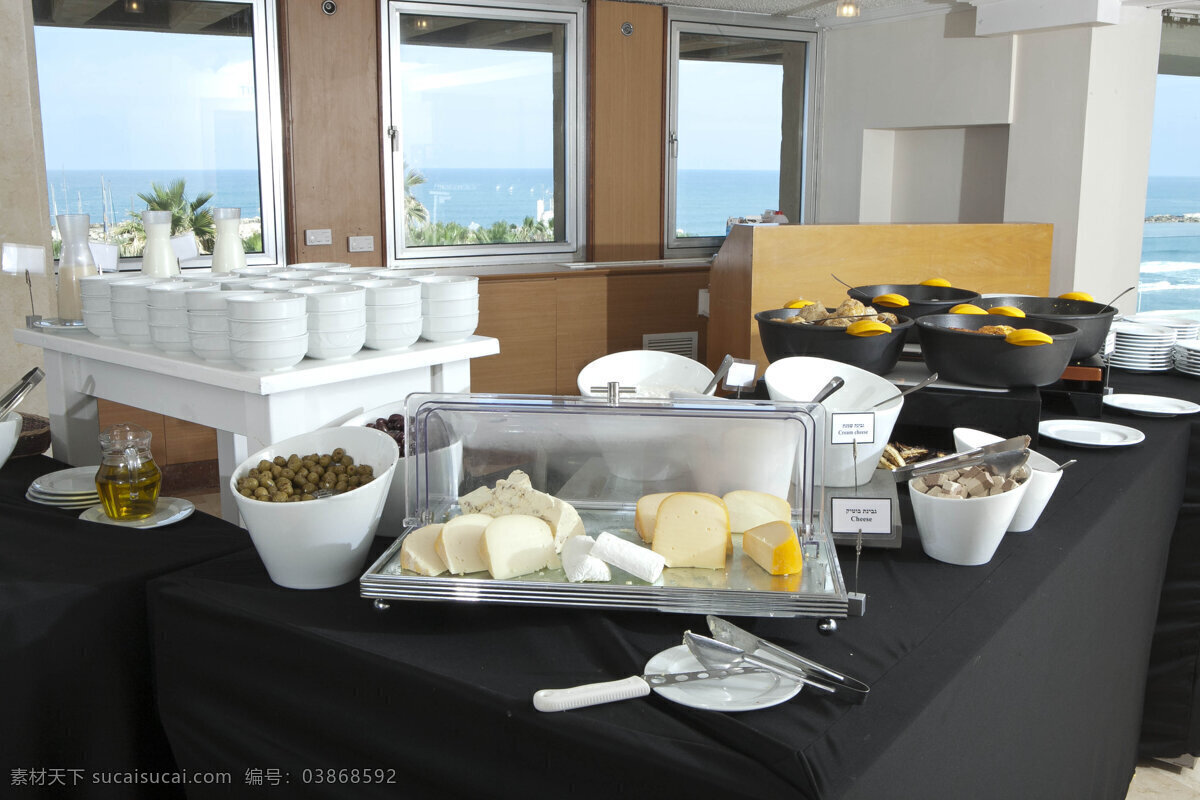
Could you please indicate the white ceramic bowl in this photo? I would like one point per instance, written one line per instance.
(269, 305)
(207, 322)
(273, 285)
(125, 309)
(393, 315)
(167, 316)
(964, 532)
(654, 373)
(349, 319)
(213, 298)
(448, 287)
(173, 294)
(95, 302)
(347, 269)
(799, 378)
(133, 332)
(269, 355)
(98, 285)
(293, 275)
(211, 346)
(10, 431)
(171, 338)
(392, 337)
(133, 290)
(450, 308)
(317, 265)
(257, 272)
(332, 277)
(456, 323)
(316, 544)
(99, 323)
(1043, 479)
(261, 330)
(396, 274)
(325, 297)
(241, 283)
(391, 291)
(336, 344)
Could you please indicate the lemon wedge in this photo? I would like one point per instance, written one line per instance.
(868, 327)
(936, 282)
(1077, 296)
(798, 303)
(967, 308)
(1006, 311)
(890, 300)
(1026, 337)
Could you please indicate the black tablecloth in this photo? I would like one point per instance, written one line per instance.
(76, 694)
(1020, 678)
(1171, 724)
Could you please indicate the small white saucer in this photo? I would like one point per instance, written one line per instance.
(747, 692)
(170, 510)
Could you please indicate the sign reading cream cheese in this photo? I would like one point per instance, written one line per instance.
(867, 514)
(847, 428)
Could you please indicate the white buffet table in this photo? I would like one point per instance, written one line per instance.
(249, 410)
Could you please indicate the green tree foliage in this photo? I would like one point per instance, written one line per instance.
(423, 233)
(186, 215)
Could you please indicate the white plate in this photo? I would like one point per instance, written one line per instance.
(60, 503)
(735, 693)
(170, 509)
(1150, 405)
(56, 324)
(62, 498)
(1138, 330)
(67, 482)
(1089, 433)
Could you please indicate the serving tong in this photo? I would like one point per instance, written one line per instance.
(1004, 457)
(17, 393)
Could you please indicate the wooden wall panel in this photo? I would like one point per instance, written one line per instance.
(664, 302)
(582, 327)
(626, 131)
(173, 441)
(521, 314)
(332, 147)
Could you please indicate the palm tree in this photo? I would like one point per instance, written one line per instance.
(185, 215)
(415, 213)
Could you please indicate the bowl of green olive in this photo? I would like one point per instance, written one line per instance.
(312, 503)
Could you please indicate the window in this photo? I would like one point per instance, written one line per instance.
(482, 108)
(736, 133)
(157, 104)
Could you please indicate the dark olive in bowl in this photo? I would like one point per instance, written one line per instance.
(963, 356)
(877, 354)
(1092, 319)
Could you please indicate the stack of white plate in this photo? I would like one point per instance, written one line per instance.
(393, 313)
(1141, 348)
(337, 319)
(68, 488)
(97, 311)
(1187, 357)
(208, 321)
(267, 330)
(166, 307)
(449, 307)
(130, 310)
(1186, 326)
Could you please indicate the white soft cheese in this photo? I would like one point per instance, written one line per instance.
(516, 495)
(634, 559)
(749, 509)
(692, 530)
(579, 563)
(458, 543)
(516, 544)
(418, 552)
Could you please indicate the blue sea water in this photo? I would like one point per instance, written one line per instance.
(1170, 269)
(78, 191)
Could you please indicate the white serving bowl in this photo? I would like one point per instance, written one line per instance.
(211, 346)
(133, 332)
(447, 287)
(393, 315)
(799, 378)
(171, 338)
(99, 323)
(332, 277)
(347, 269)
(167, 316)
(261, 330)
(213, 298)
(963, 532)
(133, 290)
(10, 431)
(317, 265)
(450, 308)
(269, 305)
(391, 292)
(207, 322)
(449, 324)
(257, 272)
(397, 273)
(317, 544)
(336, 344)
(98, 285)
(173, 294)
(326, 297)
(451, 335)
(1043, 480)
(292, 275)
(269, 355)
(273, 285)
(392, 337)
(95, 302)
(125, 309)
(653, 373)
(350, 319)
(242, 283)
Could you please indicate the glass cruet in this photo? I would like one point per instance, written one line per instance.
(128, 480)
(74, 262)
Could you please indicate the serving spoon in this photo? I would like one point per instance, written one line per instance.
(920, 385)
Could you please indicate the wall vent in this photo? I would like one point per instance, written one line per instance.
(685, 343)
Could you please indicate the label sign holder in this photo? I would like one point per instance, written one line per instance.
(868, 515)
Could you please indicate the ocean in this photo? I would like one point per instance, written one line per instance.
(78, 191)
(1170, 274)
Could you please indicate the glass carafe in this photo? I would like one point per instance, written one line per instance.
(228, 252)
(158, 259)
(74, 263)
(128, 479)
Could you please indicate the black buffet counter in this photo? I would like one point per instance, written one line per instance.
(1022, 678)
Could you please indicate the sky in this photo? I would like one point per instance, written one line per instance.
(1176, 145)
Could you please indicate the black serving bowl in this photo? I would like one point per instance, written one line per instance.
(1092, 319)
(984, 360)
(922, 299)
(877, 354)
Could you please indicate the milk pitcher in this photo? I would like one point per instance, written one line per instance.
(128, 479)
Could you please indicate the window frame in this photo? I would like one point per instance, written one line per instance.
(573, 15)
(744, 25)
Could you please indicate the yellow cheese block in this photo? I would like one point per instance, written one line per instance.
(418, 552)
(646, 512)
(692, 530)
(458, 543)
(775, 547)
(748, 509)
(516, 544)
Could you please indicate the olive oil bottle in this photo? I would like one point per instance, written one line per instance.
(128, 480)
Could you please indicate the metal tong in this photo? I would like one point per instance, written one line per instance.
(17, 393)
(1004, 457)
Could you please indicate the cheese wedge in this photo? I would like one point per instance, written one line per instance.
(516, 544)
(748, 509)
(418, 552)
(516, 495)
(458, 543)
(775, 547)
(692, 530)
(646, 512)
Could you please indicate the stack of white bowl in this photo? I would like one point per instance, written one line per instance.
(317, 266)
(129, 303)
(393, 313)
(259, 272)
(168, 316)
(97, 313)
(268, 330)
(449, 307)
(336, 277)
(337, 319)
(274, 284)
(208, 321)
